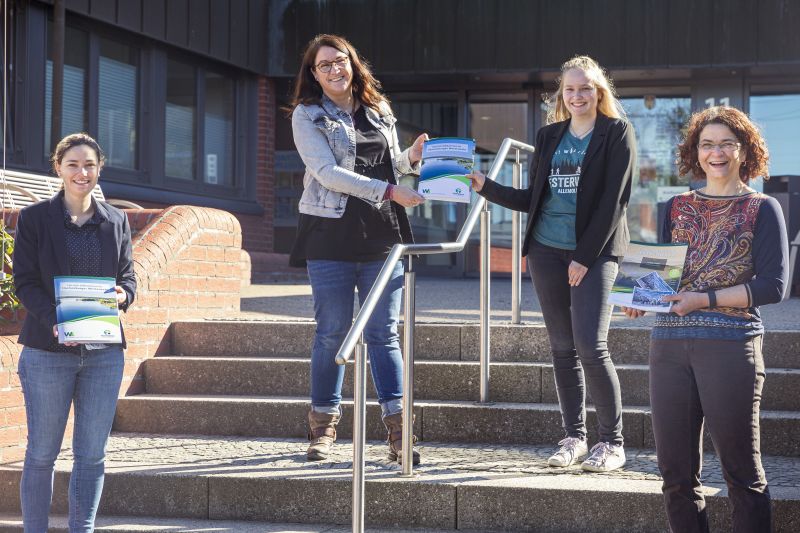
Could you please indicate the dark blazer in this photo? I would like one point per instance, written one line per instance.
(603, 192)
(40, 254)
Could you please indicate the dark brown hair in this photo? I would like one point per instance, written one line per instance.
(755, 151)
(71, 141)
(307, 90)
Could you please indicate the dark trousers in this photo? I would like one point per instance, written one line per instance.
(577, 320)
(719, 381)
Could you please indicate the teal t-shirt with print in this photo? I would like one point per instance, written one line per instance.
(556, 224)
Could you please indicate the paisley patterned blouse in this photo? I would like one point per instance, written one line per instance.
(733, 240)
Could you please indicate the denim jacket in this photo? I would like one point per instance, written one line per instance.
(326, 140)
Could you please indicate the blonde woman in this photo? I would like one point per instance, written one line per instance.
(580, 185)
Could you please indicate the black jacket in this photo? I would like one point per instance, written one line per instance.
(603, 192)
(40, 254)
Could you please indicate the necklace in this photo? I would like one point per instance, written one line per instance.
(582, 135)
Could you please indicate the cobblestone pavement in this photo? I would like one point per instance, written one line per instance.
(457, 300)
(286, 457)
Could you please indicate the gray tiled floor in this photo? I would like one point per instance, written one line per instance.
(457, 300)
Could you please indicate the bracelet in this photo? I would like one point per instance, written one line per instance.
(712, 299)
(389, 193)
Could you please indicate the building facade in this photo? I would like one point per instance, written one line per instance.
(185, 95)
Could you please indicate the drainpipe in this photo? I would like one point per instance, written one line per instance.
(57, 53)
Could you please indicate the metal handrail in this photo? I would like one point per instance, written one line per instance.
(354, 336)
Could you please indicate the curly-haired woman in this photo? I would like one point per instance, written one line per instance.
(705, 356)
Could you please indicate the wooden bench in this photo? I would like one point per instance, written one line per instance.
(21, 189)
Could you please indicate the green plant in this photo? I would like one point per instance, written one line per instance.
(8, 299)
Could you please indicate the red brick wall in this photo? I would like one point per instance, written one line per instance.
(188, 266)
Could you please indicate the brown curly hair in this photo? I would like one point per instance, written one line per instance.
(756, 155)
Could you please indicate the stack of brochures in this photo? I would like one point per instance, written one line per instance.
(647, 273)
(446, 161)
(86, 310)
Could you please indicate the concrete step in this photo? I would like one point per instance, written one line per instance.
(135, 524)
(444, 421)
(447, 342)
(433, 380)
(463, 487)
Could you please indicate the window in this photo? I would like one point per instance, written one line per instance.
(118, 85)
(779, 119)
(117, 97)
(179, 132)
(198, 94)
(657, 122)
(76, 65)
(218, 145)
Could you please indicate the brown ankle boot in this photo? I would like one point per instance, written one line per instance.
(394, 424)
(322, 434)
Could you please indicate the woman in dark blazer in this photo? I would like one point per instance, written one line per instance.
(70, 234)
(580, 185)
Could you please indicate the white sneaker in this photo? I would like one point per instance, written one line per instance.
(572, 450)
(605, 458)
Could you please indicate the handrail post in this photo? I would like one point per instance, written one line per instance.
(486, 218)
(409, 280)
(516, 249)
(359, 433)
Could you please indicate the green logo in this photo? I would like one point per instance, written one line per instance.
(69, 333)
(426, 191)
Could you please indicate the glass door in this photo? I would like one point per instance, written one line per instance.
(658, 121)
(490, 123)
(433, 221)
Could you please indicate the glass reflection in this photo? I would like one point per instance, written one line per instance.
(658, 122)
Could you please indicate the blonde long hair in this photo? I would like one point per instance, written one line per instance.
(607, 102)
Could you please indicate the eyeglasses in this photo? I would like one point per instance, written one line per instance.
(728, 147)
(326, 66)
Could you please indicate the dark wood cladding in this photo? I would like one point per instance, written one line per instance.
(231, 31)
(473, 36)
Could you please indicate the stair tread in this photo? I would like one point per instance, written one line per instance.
(424, 362)
(418, 403)
(138, 524)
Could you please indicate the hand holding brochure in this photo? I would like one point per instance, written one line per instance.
(646, 274)
(446, 161)
(86, 310)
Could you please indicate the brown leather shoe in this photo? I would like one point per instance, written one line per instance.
(322, 434)
(394, 425)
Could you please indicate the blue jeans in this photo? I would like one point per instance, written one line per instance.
(51, 382)
(577, 320)
(332, 285)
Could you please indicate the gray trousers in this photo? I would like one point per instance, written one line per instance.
(719, 381)
(577, 320)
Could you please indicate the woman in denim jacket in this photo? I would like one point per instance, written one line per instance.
(351, 214)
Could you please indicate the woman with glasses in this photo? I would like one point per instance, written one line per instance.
(352, 213)
(71, 234)
(580, 183)
(706, 364)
